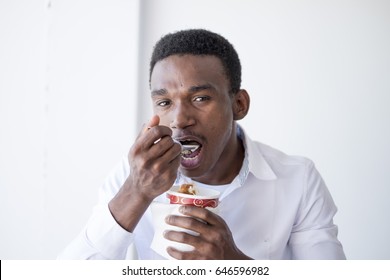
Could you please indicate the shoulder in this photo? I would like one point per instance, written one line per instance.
(276, 156)
(267, 162)
(295, 171)
(283, 166)
(257, 151)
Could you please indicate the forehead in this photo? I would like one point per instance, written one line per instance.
(188, 70)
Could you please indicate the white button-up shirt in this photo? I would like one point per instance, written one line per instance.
(277, 207)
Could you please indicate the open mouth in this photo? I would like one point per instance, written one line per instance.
(190, 149)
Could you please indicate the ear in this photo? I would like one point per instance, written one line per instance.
(241, 102)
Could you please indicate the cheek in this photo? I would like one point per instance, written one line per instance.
(223, 119)
(221, 127)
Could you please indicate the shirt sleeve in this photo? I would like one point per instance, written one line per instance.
(103, 237)
(314, 235)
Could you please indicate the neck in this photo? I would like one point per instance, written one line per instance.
(228, 167)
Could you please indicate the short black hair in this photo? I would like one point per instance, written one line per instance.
(200, 42)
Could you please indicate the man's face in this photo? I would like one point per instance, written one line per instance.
(191, 96)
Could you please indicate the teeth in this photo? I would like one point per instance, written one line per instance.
(188, 149)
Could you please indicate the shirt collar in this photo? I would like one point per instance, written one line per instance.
(254, 161)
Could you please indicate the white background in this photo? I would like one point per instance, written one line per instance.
(74, 92)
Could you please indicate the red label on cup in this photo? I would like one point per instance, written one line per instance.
(199, 202)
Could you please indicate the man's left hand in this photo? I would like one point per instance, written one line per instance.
(215, 240)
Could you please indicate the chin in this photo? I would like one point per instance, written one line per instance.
(191, 173)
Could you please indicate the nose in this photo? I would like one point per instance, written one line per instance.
(182, 117)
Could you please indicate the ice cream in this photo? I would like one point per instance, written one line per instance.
(187, 189)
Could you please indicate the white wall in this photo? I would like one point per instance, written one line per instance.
(318, 73)
(22, 127)
(68, 82)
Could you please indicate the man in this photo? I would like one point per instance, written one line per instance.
(272, 206)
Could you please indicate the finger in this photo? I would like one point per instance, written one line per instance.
(164, 145)
(181, 237)
(202, 250)
(167, 162)
(186, 222)
(163, 165)
(154, 135)
(180, 255)
(154, 121)
(164, 153)
(200, 213)
(173, 155)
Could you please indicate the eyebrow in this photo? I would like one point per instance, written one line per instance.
(159, 92)
(193, 89)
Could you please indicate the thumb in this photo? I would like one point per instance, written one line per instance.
(154, 121)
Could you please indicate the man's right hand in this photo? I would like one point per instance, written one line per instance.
(154, 160)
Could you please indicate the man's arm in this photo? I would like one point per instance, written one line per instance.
(153, 163)
(314, 235)
(102, 238)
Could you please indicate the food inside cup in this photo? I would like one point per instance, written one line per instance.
(187, 189)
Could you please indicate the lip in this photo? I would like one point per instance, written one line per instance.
(188, 138)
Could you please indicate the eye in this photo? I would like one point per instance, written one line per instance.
(163, 103)
(201, 98)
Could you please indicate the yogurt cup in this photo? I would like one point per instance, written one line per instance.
(204, 197)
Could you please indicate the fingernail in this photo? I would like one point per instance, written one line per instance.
(182, 209)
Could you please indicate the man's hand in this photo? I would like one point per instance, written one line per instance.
(215, 241)
(154, 160)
